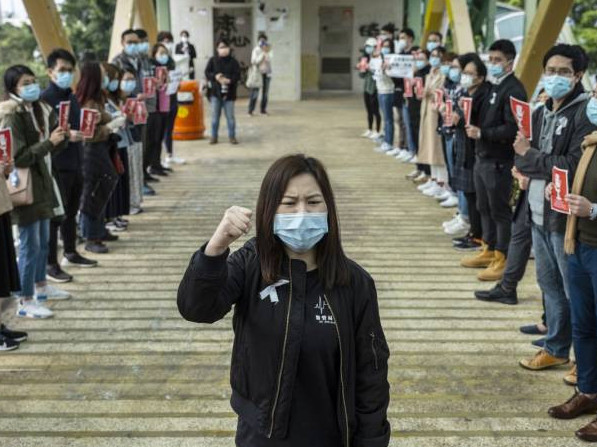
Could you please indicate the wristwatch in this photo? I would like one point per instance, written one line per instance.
(593, 211)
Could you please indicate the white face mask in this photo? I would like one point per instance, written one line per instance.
(184, 39)
(466, 81)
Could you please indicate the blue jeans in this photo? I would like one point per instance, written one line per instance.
(410, 141)
(462, 204)
(92, 229)
(582, 279)
(266, 80)
(216, 111)
(449, 140)
(552, 275)
(33, 254)
(386, 105)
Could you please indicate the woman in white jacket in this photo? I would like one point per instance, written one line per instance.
(385, 93)
(261, 61)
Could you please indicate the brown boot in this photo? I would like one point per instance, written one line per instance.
(233, 141)
(495, 271)
(542, 360)
(588, 432)
(574, 407)
(481, 260)
(213, 141)
(571, 378)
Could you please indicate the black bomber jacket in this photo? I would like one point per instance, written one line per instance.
(267, 342)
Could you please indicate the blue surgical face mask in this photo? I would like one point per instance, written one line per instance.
(113, 85)
(556, 86)
(432, 46)
(385, 50)
(128, 86)
(105, 82)
(64, 79)
(162, 59)
(369, 49)
(131, 49)
(495, 70)
(301, 231)
(143, 47)
(435, 61)
(420, 64)
(592, 111)
(454, 74)
(445, 70)
(30, 93)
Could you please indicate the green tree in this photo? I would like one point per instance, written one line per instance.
(584, 18)
(88, 24)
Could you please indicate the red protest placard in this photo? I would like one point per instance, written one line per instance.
(129, 106)
(5, 144)
(149, 86)
(448, 113)
(140, 116)
(467, 107)
(439, 96)
(522, 114)
(559, 178)
(88, 122)
(63, 114)
(418, 87)
(162, 73)
(408, 88)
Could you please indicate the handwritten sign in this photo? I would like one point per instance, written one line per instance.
(400, 65)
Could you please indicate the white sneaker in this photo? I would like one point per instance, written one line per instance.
(459, 227)
(385, 147)
(367, 134)
(167, 163)
(433, 191)
(444, 196)
(451, 221)
(403, 155)
(175, 160)
(414, 160)
(33, 309)
(50, 293)
(374, 135)
(450, 202)
(393, 152)
(427, 185)
(422, 176)
(413, 175)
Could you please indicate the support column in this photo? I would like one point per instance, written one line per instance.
(145, 18)
(163, 14)
(123, 19)
(541, 36)
(460, 24)
(414, 19)
(47, 26)
(434, 14)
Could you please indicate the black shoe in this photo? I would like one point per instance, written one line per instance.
(149, 179)
(8, 344)
(96, 247)
(55, 274)
(460, 240)
(540, 342)
(122, 220)
(148, 190)
(498, 295)
(78, 260)
(165, 169)
(109, 237)
(468, 244)
(13, 335)
(158, 172)
(532, 329)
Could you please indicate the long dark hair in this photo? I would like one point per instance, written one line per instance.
(331, 260)
(12, 76)
(90, 85)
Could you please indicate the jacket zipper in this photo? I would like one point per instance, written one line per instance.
(372, 334)
(341, 370)
(271, 428)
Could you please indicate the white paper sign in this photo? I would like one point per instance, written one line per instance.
(375, 67)
(400, 65)
(175, 79)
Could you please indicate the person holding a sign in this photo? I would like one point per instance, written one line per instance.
(261, 61)
(494, 136)
(185, 47)
(370, 91)
(558, 131)
(35, 135)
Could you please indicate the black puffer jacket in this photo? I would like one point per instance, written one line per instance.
(267, 342)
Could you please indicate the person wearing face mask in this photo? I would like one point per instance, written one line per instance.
(581, 247)
(36, 135)
(185, 47)
(67, 164)
(434, 40)
(558, 131)
(385, 94)
(223, 73)
(430, 144)
(370, 93)
(261, 60)
(494, 136)
(309, 348)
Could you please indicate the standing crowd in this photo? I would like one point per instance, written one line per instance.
(451, 119)
(77, 161)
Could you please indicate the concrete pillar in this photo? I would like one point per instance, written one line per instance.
(47, 26)
(460, 24)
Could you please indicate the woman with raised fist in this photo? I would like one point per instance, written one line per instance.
(310, 360)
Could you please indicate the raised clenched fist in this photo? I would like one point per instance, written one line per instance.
(235, 223)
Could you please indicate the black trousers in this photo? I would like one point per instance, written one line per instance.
(519, 250)
(372, 106)
(70, 184)
(170, 129)
(156, 129)
(493, 183)
(474, 216)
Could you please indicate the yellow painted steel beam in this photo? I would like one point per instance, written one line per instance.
(541, 36)
(146, 18)
(123, 19)
(460, 24)
(47, 26)
(434, 15)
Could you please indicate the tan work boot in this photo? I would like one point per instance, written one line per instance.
(542, 360)
(495, 271)
(572, 377)
(481, 260)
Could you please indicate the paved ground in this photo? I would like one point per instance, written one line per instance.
(118, 366)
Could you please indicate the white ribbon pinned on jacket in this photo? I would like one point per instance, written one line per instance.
(272, 292)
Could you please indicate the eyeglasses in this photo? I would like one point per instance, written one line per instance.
(565, 72)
